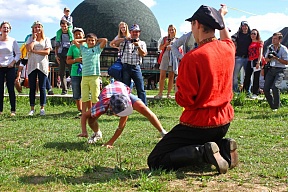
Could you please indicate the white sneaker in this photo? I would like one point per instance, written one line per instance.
(31, 113)
(42, 112)
(163, 133)
(95, 137)
(254, 96)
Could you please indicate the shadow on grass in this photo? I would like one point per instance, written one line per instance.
(98, 174)
(68, 146)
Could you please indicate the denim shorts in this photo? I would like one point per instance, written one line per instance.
(133, 98)
(76, 87)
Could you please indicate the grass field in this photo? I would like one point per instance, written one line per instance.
(42, 153)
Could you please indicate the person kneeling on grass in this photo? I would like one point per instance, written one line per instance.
(116, 99)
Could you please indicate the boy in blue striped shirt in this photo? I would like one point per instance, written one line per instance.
(91, 68)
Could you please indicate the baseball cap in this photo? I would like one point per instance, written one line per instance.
(77, 29)
(208, 16)
(244, 23)
(36, 23)
(121, 105)
(135, 27)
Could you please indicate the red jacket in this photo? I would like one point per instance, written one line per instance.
(205, 85)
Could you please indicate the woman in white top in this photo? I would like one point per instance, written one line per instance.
(38, 47)
(165, 64)
(9, 55)
(123, 31)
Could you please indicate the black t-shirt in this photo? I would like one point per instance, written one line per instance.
(243, 42)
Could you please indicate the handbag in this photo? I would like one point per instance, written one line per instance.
(26, 82)
(115, 70)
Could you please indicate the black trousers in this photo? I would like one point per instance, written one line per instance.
(181, 136)
(247, 80)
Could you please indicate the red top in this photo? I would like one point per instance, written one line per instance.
(253, 50)
(205, 84)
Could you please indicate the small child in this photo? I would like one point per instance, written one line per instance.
(90, 70)
(68, 17)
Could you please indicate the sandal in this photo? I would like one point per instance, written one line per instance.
(169, 96)
(158, 97)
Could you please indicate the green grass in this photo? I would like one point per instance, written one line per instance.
(43, 153)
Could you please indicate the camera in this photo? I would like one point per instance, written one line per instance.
(271, 53)
(134, 40)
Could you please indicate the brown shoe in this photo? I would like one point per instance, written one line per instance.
(213, 157)
(228, 151)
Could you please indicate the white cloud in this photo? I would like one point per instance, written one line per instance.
(44, 11)
(149, 3)
(266, 24)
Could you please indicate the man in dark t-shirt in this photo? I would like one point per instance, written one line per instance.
(242, 41)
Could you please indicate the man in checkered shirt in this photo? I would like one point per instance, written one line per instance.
(116, 99)
(134, 51)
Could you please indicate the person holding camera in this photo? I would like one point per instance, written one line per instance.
(255, 54)
(134, 51)
(166, 63)
(277, 58)
(64, 37)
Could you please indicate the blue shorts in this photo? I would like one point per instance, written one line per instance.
(76, 87)
(133, 98)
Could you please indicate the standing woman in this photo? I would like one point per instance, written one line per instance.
(123, 32)
(166, 62)
(255, 54)
(9, 55)
(39, 48)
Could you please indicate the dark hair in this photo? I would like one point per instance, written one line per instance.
(91, 35)
(63, 22)
(206, 28)
(279, 34)
(6, 22)
(258, 34)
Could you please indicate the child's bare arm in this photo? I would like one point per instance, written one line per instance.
(102, 42)
(122, 123)
(78, 42)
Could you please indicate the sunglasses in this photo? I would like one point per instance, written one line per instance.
(253, 33)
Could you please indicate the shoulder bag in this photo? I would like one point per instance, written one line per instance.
(115, 70)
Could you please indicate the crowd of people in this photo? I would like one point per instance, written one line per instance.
(204, 87)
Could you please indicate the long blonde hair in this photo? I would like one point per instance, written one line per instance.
(173, 28)
(120, 34)
(42, 30)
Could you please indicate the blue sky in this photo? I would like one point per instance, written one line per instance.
(266, 16)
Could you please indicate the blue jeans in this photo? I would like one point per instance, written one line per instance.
(9, 74)
(273, 80)
(134, 72)
(42, 79)
(76, 87)
(239, 63)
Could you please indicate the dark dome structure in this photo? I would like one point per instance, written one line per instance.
(268, 42)
(102, 17)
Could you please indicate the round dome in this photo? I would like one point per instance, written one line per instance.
(102, 17)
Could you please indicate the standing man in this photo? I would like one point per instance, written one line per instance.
(63, 42)
(134, 51)
(277, 58)
(242, 41)
(204, 90)
(188, 43)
